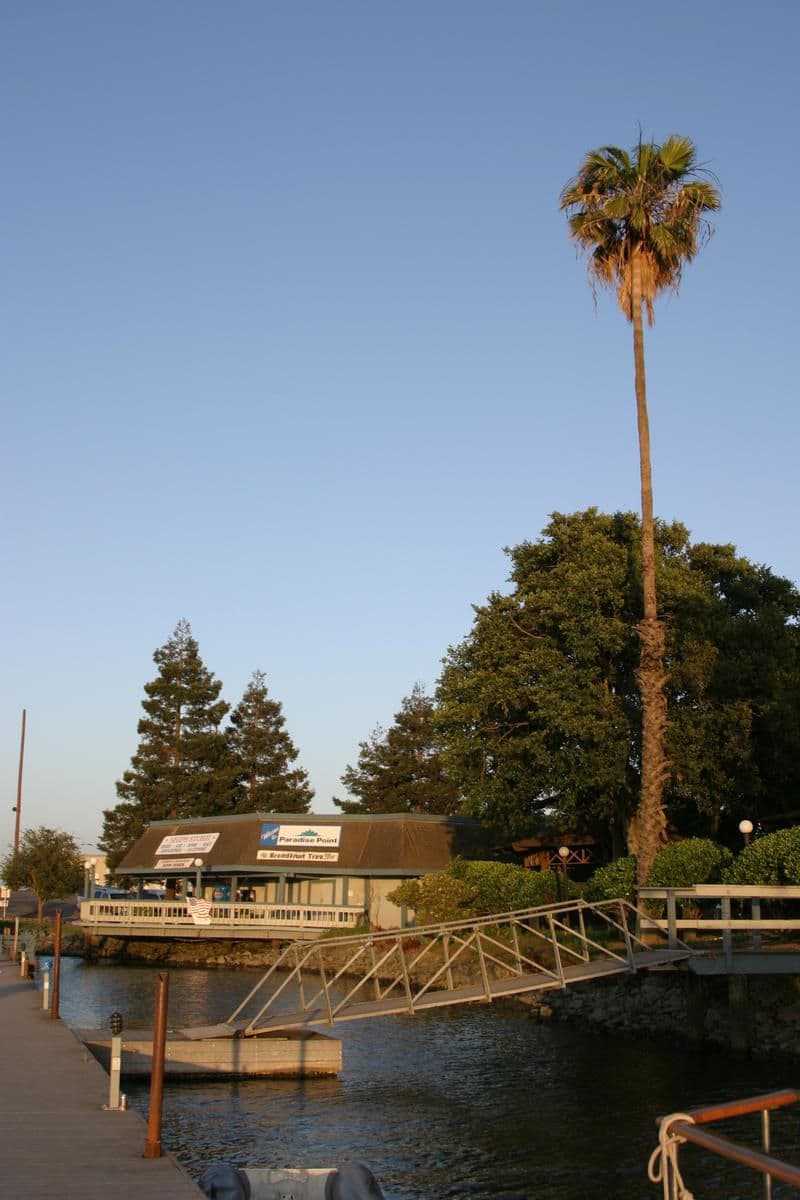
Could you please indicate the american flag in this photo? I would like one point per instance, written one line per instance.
(199, 910)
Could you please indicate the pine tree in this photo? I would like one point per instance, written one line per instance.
(399, 770)
(182, 767)
(264, 753)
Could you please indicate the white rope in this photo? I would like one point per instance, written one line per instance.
(663, 1165)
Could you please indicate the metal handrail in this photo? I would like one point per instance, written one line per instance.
(396, 970)
(687, 1127)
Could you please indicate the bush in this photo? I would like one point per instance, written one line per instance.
(477, 889)
(695, 860)
(615, 881)
(436, 897)
(772, 860)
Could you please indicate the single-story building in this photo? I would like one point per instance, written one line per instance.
(344, 866)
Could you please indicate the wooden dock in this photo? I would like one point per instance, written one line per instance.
(57, 1139)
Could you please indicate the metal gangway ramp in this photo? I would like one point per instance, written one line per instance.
(418, 968)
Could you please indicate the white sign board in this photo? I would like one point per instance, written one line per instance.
(297, 856)
(173, 864)
(187, 843)
(299, 837)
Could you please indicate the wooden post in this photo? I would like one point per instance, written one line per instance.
(152, 1145)
(727, 936)
(54, 998)
(672, 930)
(739, 1013)
(697, 1004)
(755, 914)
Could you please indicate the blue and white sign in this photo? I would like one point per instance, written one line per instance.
(299, 837)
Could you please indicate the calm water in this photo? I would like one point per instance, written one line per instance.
(469, 1102)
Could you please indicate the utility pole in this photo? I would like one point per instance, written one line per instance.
(18, 809)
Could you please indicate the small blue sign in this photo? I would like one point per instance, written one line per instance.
(269, 834)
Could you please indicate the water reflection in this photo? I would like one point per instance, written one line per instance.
(465, 1102)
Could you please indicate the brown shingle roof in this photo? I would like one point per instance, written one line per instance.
(402, 844)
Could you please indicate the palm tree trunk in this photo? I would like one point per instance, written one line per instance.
(647, 831)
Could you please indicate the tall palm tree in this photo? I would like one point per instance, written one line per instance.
(640, 217)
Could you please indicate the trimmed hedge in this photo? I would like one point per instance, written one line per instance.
(615, 881)
(680, 864)
(695, 860)
(477, 889)
(773, 860)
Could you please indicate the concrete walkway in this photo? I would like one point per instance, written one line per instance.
(56, 1142)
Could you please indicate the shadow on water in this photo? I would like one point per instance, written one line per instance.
(464, 1102)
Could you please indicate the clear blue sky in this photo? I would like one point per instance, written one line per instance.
(294, 341)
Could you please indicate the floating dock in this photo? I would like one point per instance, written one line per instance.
(293, 1054)
(58, 1139)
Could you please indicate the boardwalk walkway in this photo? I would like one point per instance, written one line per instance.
(56, 1139)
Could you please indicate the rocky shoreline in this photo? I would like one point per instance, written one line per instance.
(759, 1015)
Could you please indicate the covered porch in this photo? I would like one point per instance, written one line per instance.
(176, 917)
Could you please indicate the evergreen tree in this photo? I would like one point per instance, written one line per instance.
(263, 754)
(400, 770)
(182, 767)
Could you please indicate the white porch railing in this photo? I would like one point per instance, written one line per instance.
(713, 905)
(167, 914)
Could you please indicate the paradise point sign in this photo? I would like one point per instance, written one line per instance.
(315, 843)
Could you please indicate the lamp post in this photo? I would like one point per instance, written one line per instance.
(198, 863)
(563, 854)
(89, 877)
(745, 829)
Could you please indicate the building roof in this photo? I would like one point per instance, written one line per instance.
(325, 844)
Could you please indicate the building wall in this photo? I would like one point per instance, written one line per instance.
(382, 912)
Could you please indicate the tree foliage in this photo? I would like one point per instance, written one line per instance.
(266, 780)
(400, 769)
(48, 861)
(539, 708)
(189, 764)
(649, 203)
(182, 766)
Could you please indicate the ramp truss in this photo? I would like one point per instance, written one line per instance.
(407, 971)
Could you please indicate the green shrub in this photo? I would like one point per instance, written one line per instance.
(695, 860)
(436, 897)
(615, 881)
(477, 889)
(772, 860)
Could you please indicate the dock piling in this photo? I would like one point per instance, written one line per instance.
(54, 999)
(152, 1145)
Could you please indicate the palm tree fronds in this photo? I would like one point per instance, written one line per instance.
(651, 200)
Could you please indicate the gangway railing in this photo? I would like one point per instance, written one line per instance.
(413, 969)
(678, 1128)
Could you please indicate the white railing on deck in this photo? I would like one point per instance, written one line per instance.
(168, 913)
(724, 909)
